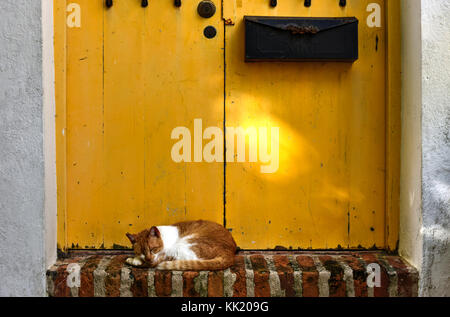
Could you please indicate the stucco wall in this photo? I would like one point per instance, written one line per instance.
(48, 79)
(435, 275)
(22, 264)
(425, 172)
(410, 246)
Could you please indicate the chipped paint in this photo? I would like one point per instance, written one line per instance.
(120, 139)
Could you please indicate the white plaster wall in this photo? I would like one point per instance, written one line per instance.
(48, 79)
(23, 180)
(425, 171)
(435, 275)
(410, 246)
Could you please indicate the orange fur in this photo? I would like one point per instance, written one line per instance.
(213, 245)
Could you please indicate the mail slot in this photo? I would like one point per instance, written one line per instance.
(301, 39)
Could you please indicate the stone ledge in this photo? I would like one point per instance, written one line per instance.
(254, 274)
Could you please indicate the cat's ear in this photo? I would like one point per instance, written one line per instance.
(132, 237)
(154, 232)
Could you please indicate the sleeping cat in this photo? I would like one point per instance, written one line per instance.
(192, 245)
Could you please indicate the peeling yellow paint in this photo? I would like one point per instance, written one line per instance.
(128, 76)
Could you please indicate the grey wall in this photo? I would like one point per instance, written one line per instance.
(22, 261)
(435, 275)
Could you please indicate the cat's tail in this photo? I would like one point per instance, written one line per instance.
(215, 264)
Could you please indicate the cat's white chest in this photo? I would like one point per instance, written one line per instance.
(174, 246)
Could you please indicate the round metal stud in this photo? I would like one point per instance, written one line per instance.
(210, 32)
(206, 9)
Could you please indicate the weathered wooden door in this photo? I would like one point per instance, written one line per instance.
(127, 76)
(133, 75)
(329, 190)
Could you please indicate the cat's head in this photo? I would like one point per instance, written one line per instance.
(146, 244)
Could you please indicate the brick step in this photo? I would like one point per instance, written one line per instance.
(260, 274)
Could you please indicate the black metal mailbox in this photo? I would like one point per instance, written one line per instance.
(301, 39)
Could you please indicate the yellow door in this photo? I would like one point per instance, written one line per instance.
(128, 76)
(329, 190)
(133, 75)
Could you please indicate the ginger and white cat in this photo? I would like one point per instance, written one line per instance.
(191, 245)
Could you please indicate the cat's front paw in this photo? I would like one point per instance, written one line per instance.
(134, 261)
(166, 265)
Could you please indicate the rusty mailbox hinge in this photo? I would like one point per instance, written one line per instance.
(229, 11)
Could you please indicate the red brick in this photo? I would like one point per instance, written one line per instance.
(286, 274)
(60, 282)
(188, 284)
(310, 276)
(215, 284)
(407, 276)
(139, 288)
(261, 276)
(87, 277)
(407, 281)
(112, 280)
(306, 263)
(163, 283)
(383, 290)
(336, 282)
(359, 275)
(240, 285)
